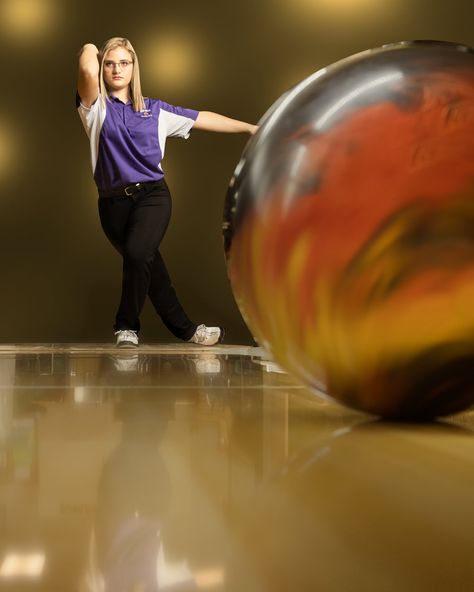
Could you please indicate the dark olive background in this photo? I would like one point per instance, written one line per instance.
(60, 278)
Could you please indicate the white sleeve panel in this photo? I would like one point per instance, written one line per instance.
(170, 124)
(92, 119)
(175, 125)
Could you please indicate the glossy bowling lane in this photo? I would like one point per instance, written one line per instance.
(181, 468)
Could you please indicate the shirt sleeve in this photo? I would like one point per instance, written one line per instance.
(92, 119)
(88, 115)
(177, 121)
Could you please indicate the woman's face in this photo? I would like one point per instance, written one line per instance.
(118, 68)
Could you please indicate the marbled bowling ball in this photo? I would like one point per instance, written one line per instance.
(349, 230)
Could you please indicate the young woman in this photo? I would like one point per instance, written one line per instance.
(127, 134)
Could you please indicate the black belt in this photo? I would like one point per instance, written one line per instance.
(131, 190)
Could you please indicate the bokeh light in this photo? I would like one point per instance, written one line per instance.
(7, 150)
(174, 60)
(27, 20)
(343, 13)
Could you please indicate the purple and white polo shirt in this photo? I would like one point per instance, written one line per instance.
(127, 146)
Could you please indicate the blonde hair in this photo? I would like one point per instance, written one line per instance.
(135, 86)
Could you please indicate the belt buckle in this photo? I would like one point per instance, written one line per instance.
(127, 187)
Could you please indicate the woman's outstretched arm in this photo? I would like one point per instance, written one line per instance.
(213, 122)
(88, 74)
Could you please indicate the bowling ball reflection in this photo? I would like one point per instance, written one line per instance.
(372, 507)
(349, 230)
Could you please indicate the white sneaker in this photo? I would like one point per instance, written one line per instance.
(207, 335)
(207, 363)
(126, 362)
(126, 338)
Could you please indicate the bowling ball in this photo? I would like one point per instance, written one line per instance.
(349, 230)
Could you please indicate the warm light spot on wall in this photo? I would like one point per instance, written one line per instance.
(173, 60)
(7, 150)
(342, 13)
(27, 19)
(341, 7)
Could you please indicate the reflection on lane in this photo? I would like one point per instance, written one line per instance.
(205, 471)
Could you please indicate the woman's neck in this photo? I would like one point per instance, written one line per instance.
(122, 94)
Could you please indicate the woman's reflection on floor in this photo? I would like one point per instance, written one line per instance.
(129, 550)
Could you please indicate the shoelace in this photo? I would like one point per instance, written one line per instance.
(126, 334)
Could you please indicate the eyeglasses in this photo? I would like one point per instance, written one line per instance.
(124, 64)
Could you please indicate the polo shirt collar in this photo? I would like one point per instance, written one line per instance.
(116, 99)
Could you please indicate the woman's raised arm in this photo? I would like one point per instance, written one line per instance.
(88, 74)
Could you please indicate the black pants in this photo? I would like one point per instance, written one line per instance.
(136, 226)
